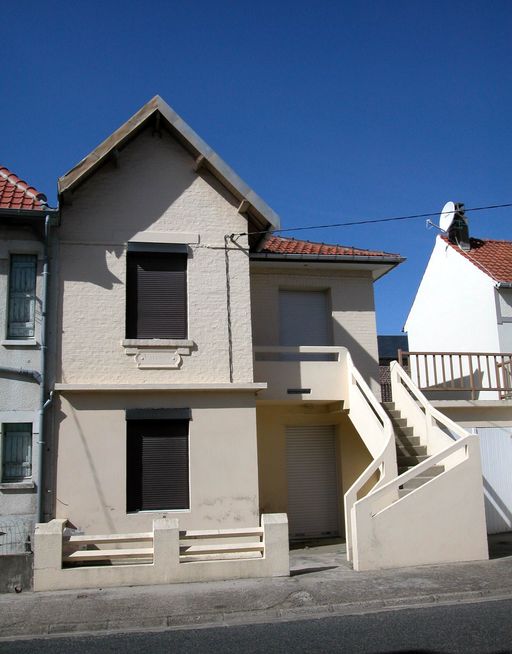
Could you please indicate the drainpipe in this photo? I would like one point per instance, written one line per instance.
(44, 401)
(25, 372)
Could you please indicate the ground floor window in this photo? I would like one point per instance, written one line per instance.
(16, 452)
(157, 465)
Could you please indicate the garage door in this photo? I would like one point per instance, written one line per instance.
(313, 508)
(496, 448)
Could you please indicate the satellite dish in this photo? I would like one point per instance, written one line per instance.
(447, 216)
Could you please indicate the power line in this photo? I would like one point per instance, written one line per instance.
(369, 221)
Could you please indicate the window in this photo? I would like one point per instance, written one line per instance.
(22, 296)
(156, 295)
(157, 469)
(16, 452)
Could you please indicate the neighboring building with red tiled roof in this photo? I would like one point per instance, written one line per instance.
(17, 194)
(491, 256)
(464, 301)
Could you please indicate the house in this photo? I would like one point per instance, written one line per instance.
(460, 341)
(23, 259)
(210, 372)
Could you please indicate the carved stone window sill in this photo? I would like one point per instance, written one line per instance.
(158, 353)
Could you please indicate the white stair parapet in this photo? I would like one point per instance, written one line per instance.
(439, 521)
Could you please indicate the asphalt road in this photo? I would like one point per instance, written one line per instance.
(482, 628)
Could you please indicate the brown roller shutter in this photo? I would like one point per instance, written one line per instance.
(157, 474)
(156, 295)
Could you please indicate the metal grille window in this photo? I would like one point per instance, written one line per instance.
(16, 452)
(157, 468)
(156, 295)
(22, 296)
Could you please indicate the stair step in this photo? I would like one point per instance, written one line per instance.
(403, 491)
(431, 472)
(410, 460)
(388, 405)
(401, 423)
(405, 449)
(408, 432)
(416, 482)
(407, 441)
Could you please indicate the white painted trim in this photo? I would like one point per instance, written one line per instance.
(161, 237)
(12, 342)
(156, 342)
(250, 387)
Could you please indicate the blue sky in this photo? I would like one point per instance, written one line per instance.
(331, 111)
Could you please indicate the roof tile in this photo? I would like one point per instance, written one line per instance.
(492, 257)
(280, 245)
(17, 194)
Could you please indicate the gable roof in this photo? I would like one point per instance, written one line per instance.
(492, 257)
(251, 204)
(17, 194)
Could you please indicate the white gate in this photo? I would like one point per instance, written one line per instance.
(496, 448)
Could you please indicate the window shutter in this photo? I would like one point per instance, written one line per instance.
(22, 296)
(157, 465)
(17, 452)
(156, 295)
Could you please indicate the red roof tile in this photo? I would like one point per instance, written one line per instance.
(17, 194)
(492, 257)
(280, 245)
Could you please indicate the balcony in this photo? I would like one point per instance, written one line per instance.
(304, 373)
(460, 375)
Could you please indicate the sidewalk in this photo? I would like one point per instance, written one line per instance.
(321, 583)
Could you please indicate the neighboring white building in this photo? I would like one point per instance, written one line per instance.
(460, 338)
(23, 211)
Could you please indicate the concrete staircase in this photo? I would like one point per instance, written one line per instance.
(409, 451)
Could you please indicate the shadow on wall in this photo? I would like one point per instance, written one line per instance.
(87, 469)
(496, 512)
(367, 365)
(152, 173)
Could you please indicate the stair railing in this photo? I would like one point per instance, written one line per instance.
(421, 415)
(376, 431)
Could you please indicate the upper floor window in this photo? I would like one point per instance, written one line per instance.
(156, 295)
(22, 296)
(16, 452)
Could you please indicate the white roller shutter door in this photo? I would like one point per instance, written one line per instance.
(496, 448)
(313, 508)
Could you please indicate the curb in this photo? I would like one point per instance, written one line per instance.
(211, 620)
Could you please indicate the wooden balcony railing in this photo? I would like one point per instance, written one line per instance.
(469, 373)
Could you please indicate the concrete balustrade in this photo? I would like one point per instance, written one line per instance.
(165, 567)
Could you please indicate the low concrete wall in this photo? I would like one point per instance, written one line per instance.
(15, 572)
(166, 567)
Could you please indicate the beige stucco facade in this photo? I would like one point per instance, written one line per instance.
(352, 309)
(91, 479)
(272, 421)
(154, 193)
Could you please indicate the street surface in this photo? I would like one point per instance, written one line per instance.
(480, 628)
